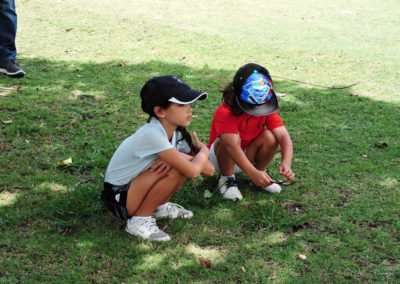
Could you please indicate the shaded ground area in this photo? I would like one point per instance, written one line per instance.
(342, 212)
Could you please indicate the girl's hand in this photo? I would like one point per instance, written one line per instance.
(160, 167)
(286, 171)
(260, 178)
(197, 142)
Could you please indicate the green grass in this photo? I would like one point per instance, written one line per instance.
(343, 211)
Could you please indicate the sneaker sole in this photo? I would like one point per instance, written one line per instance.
(165, 239)
(269, 192)
(167, 217)
(233, 200)
(15, 74)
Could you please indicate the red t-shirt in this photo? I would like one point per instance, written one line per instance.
(247, 126)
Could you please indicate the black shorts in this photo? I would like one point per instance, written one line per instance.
(114, 197)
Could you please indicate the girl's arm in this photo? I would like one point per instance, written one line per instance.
(190, 168)
(231, 143)
(286, 150)
(208, 169)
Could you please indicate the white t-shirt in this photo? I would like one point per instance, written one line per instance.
(140, 150)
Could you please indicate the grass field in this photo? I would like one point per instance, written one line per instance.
(85, 64)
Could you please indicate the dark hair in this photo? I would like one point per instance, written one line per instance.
(185, 134)
(229, 99)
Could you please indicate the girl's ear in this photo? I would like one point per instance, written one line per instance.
(158, 111)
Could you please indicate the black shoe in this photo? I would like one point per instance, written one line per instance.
(11, 68)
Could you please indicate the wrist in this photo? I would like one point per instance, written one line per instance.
(252, 173)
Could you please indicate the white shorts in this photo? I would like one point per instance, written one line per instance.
(214, 161)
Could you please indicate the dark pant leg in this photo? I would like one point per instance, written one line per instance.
(8, 30)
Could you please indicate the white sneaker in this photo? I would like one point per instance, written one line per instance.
(229, 189)
(147, 229)
(273, 188)
(172, 211)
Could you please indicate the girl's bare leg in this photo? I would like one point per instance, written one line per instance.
(262, 150)
(225, 162)
(149, 190)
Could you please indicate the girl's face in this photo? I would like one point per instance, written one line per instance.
(178, 115)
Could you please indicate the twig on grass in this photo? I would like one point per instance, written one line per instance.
(318, 85)
(9, 89)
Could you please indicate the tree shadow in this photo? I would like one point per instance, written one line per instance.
(84, 110)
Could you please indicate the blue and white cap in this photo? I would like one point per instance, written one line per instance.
(254, 92)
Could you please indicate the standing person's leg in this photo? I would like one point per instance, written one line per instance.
(8, 30)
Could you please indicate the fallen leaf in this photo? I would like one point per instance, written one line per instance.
(272, 277)
(7, 121)
(280, 94)
(365, 156)
(140, 116)
(205, 262)
(65, 162)
(73, 121)
(343, 160)
(43, 69)
(302, 256)
(243, 269)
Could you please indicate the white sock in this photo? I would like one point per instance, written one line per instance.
(161, 206)
(226, 177)
(133, 219)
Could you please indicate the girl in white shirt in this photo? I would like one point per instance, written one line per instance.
(154, 162)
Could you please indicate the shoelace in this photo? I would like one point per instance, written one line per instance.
(284, 183)
(149, 224)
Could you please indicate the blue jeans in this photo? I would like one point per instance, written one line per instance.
(8, 30)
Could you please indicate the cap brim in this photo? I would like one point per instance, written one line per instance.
(259, 110)
(188, 97)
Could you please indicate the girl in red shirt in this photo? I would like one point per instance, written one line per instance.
(246, 132)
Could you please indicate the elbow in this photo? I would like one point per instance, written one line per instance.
(193, 173)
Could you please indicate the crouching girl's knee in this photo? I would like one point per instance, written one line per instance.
(269, 139)
(175, 175)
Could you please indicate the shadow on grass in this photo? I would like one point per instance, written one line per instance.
(52, 216)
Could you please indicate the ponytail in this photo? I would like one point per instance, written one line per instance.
(186, 137)
(229, 99)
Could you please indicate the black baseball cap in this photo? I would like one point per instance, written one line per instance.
(253, 88)
(159, 90)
